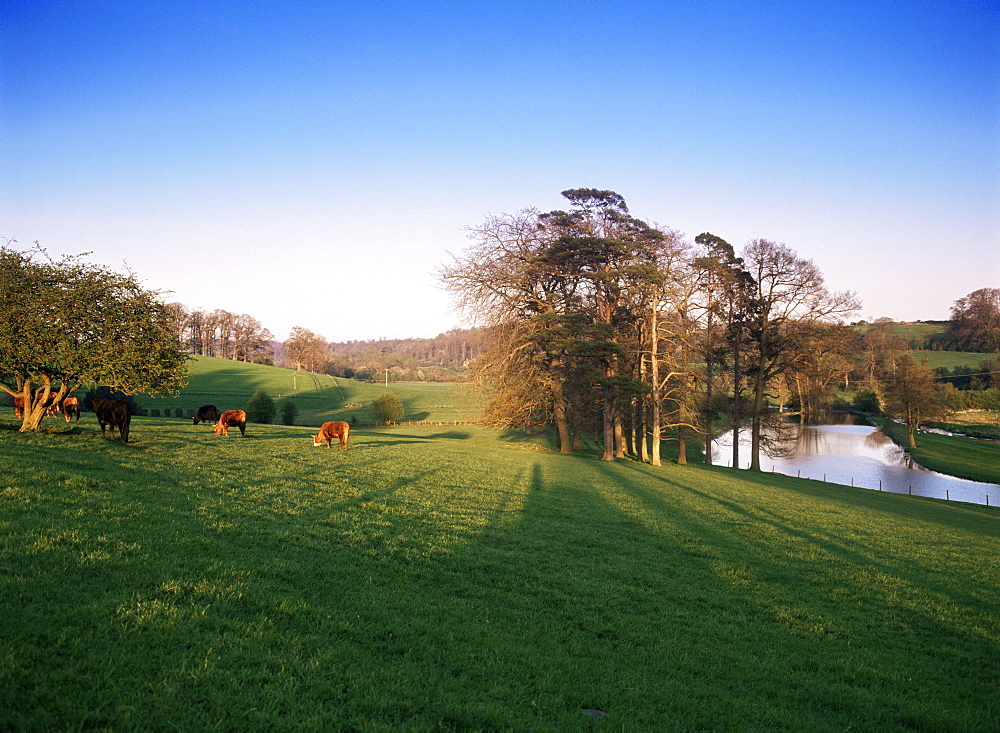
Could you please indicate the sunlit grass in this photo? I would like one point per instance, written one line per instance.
(454, 578)
(976, 460)
(229, 385)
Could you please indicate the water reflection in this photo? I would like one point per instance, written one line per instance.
(854, 455)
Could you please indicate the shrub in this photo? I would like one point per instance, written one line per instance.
(387, 408)
(867, 401)
(154, 412)
(289, 411)
(261, 408)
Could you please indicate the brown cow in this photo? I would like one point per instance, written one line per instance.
(331, 430)
(231, 418)
(71, 406)
(206, 414)
(113, 413)
(51, 407)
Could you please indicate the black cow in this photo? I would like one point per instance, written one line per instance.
(114, 414)
(206, 413)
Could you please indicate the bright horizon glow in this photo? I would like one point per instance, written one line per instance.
(313, 164)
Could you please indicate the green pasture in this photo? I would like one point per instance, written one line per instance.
(229, 385)
(908, 331)
(952, 359)
(976, 460)
(460, 578)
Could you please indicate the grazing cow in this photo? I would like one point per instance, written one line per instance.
(114, 414)
(71, 406)
(231, 418)
(18, 407)
(331, 430)
(206, 414)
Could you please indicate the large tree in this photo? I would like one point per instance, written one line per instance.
(791, 306)
(65, 323)
(500, 282)
(911, 393)
(306, 350)
(610, 256)
(975, 321)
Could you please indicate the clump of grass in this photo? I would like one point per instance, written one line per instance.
(445, 578)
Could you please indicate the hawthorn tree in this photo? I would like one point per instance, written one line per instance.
(387, 408)
(65, 323)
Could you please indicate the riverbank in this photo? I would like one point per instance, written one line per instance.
(967, 458)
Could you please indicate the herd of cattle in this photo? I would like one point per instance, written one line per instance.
(117, 414)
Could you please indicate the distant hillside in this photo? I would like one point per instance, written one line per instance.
(229, 385)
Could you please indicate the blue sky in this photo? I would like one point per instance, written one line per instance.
(313, 163)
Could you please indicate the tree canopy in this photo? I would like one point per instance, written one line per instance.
(65, 323)
(975, 321)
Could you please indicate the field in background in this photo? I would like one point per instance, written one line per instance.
(952, 359)
(229, 385)
(460, 578)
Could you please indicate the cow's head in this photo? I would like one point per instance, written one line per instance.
(317, 440)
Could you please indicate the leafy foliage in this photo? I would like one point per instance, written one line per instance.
(65, 322)
(289, 411)
(975, 321)
(388, 408)
(261, 408)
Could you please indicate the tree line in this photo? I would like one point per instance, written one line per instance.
(242, 337)
(604, 323)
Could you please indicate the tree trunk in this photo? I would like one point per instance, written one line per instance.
(609, 425)
(708, 415)
(640, 418)
(681, 446)
(737, 411)
(654, 400)
(758, 407)
(559, 414)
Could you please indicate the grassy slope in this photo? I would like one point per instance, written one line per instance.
(952, 359)
(229, 384)
(437, 578)
(976, 460)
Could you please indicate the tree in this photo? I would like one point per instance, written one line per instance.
(790, 305)
(500, 283)
(289, 411)
(975, 321)
(306, 350)
(387, 408)
(911, 394)
(725, 289)
(65, 323)
(609, 256)
(260, 408)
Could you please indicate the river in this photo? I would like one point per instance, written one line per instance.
(853, 455)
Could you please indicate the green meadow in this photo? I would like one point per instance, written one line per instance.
(462, 578)
(229, 385)
(952, 359)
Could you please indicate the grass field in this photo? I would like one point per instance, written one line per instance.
(459, 578)
(952, 359)
(229, 385)
(976, 460)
